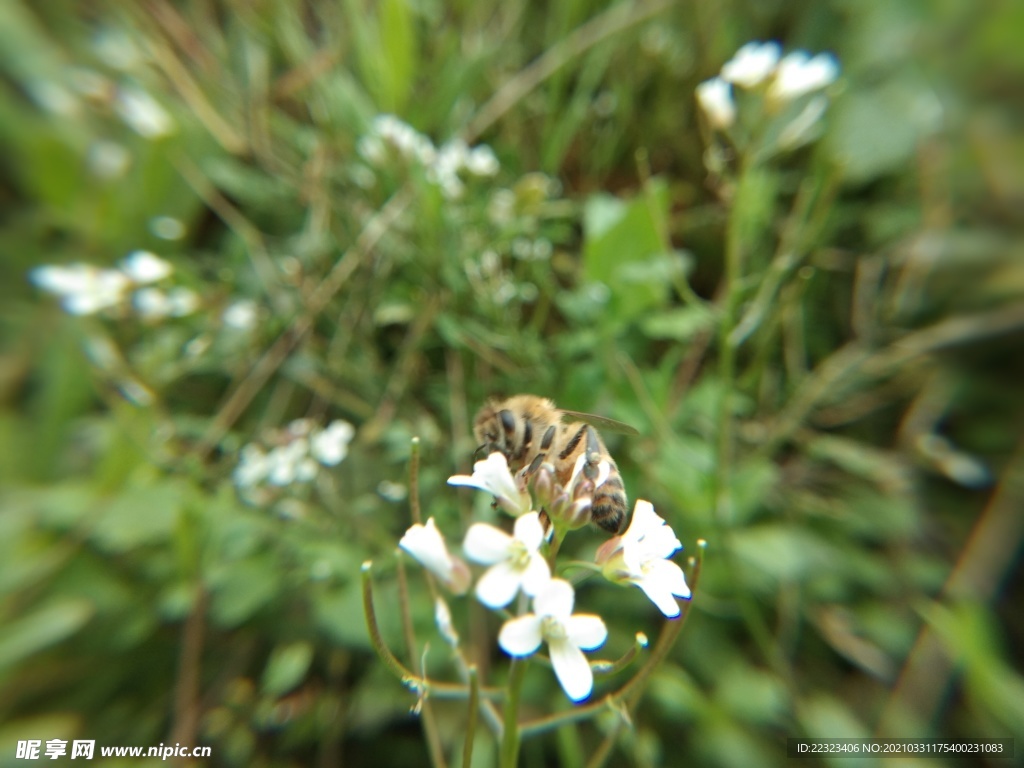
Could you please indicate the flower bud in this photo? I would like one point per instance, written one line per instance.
(610, 557)
(544, 485)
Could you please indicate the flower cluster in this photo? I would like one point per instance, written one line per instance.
(85, 289)
(760, 70)
(521, 563)
(443, 164)
(299, 452)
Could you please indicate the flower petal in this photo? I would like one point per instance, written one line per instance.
(752, 64)
(572, 669)
(535, 576)
(715, 99)
(586, 630)
(529, 531)
(486, 544)
(555, 600)
(660, 593)
(498, 585)
(425, 543)
(520, 636)
(649, 534)
(671, 575)
(493, 475)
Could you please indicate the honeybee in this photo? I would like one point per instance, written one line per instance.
(529, 430)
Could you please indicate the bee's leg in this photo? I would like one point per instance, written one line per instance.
(593, 455)
(545, 446)
(573, 442)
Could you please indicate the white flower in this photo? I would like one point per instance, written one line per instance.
(566, 634)
(151, 303)
(291, 462)
(154, 304)
(167, 227)
(425, 543)
(515, 560)
(182, 301)
(329, 446)
(252, 466)
(144, 267)
(84, 289)
(108, 159)
(492, 475)
(640, 557)
(482, 161)
(715, 98)
(240, 315)
(142, 113)
(443, 619)
(54, 97)
(798, 75)
(752, 64)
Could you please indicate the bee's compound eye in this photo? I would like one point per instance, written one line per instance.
(508, 421)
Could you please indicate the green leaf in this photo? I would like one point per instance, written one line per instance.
(42, 628)
(242, 588)
(680, 324)
(623, 249)
(286, 667)
(398, 49)
(876, 131)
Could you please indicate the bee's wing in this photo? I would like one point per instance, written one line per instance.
(609, 425)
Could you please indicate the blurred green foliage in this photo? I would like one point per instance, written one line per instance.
(839, 417)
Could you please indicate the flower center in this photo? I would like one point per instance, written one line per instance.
(519, 555)
(552, 629)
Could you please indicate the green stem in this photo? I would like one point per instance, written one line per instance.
(474, 703)
(510, 736)
(556, 543)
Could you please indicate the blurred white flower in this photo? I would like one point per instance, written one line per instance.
(54, 97)
(330, 446)
(117, 49)
(798, 74)
(142, 113)
(482, 161)
(565, 633)
(155, 304)
(492, 475)
(182, 301)
(406, 139)
(108, 159)
(640, 557)
(167, 227)
(84, 289)
(752, 64)
(252, 467)
(442, 165)
(291, 462)
(144, 267)
(715, 99)
(443, 619)
(151, 303)
(427, 545)
(240, 315)
(516, 562)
